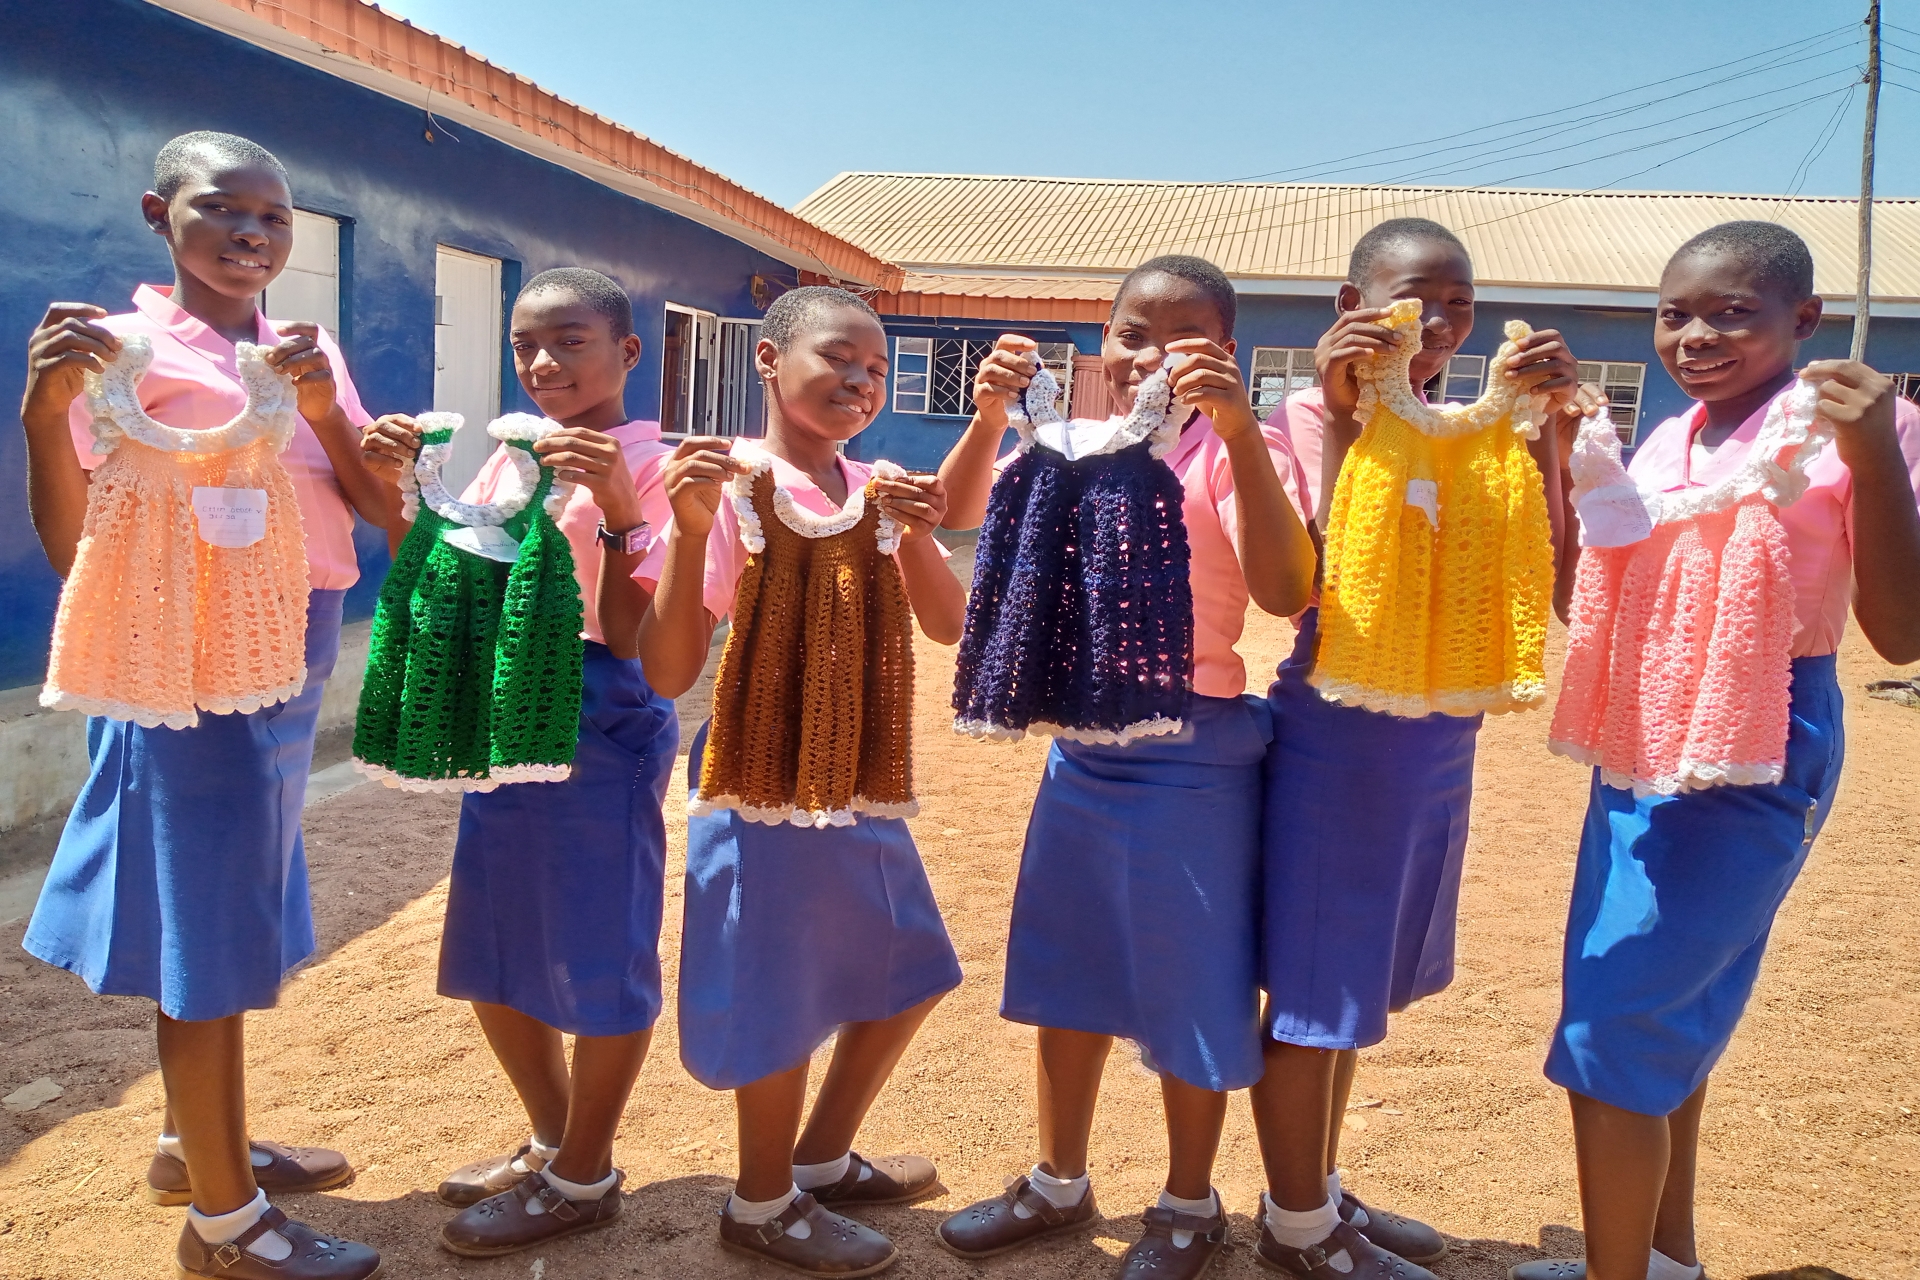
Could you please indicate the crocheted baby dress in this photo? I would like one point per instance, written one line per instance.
(188, 591)
(813, 701)
(474, 669)
(1080, 623)
(1679, 652)
(1439, 554)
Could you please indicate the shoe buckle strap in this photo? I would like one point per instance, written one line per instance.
(769, 1231)
(555, 1203)
(228, 1255)
(1312, 1258)
(1026, 1193)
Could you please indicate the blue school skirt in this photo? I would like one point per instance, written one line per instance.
(554, 905)
(1365, 831)
(1137, 910)
(1673, 899)
(181, 875)
(791, 931)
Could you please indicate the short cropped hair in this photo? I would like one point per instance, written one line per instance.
(595, 291)
(796, 310)
(1778, 258)
(1198, 272)
(192, 154)
(1391, 234)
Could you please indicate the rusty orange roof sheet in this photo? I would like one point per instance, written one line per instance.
(377, 39)
(1034, 299)
(946, 223)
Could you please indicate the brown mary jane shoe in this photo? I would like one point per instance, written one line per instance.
(472, 1183)
(894, 1180)
(314, 1256)
(508, 1222)
(291, 1171)
(835, 1247)
(1368, 1260)
(987, 1227)
(1155, 1256)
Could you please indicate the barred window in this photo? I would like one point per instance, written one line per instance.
(933, 377)
(1622, 382)
(1278, 372)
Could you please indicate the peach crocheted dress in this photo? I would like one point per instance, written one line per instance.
(1439, 553)
(813, 701)
(1679, 651)
(188, 591)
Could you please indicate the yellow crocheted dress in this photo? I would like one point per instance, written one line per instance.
(1439, 555)
(188, 591)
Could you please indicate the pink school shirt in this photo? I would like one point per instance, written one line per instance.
(646, 457)
(1220, 595)
(1819, 526)
(727, 558)
(194, 384)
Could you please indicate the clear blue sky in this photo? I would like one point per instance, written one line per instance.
(782, 95)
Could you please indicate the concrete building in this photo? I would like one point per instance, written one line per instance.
(985, 255)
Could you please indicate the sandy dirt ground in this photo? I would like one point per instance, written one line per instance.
(1811, 1147)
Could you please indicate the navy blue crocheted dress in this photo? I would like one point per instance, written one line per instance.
(1080, 624)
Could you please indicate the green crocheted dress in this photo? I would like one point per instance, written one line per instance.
(474, 672)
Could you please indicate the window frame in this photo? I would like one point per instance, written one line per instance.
(1626, 417)
(1288, 373)
(920, 349)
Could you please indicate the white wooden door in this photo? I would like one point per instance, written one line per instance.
(309, 287)
(466, 355)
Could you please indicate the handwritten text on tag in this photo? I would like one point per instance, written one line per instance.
(230, 517)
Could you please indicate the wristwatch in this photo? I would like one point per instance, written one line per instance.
(634, 541)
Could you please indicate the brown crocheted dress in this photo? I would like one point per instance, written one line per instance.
(813, 702)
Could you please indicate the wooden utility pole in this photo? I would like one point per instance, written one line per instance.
(1863, 288)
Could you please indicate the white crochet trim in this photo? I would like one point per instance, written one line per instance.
(113, 398)
(797, 518)
(464, 783)
(1038, 422)
(1153, 727)
(57, 699)
(792, 815)
(1692, 775)
(1514, 695)
(1791, 423)
(1387, 381)
(517, 427)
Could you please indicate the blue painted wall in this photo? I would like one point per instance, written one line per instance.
(85, 105)
(1269, 320)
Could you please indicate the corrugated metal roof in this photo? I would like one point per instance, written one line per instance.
(443, 71)
(1565, 239)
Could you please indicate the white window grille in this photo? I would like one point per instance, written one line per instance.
(1461, 382)
(1278, 372)
(912, 374)
(1057, 359)
(1908, 385)
(1622, 382)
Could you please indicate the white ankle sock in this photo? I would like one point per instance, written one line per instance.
(1335, 1191)
(754, 1212)
(1061, 1193)
(811, 1177)
(1661, 1267)
(1304, 1229)
(1198, 1208)
(169, 1145)
(219, 1228)
(585, 1191)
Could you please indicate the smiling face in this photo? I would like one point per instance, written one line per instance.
(1438, 274)
(1154, 310)
(1723, 334)
(831, 381)
(228, 226)
(569, 361)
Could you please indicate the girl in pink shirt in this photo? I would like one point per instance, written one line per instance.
(1674, 895)
(553, 909)
(1137, 910)
(181, 875)
(797, 933)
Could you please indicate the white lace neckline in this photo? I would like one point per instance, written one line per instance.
(1387, 380)
(1151, 418)
(420, 478)
(1791, 424)
(113, 398)
(790, 513)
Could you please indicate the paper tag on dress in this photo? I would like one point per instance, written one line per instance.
(488, 540)
(1425, 494)
(230, 517)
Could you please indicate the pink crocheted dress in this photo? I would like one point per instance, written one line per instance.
(1679, 650)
